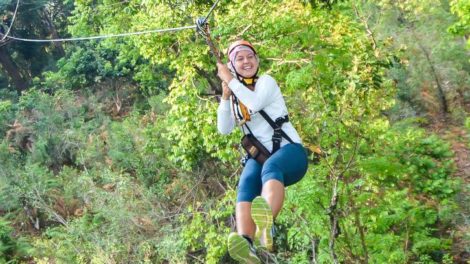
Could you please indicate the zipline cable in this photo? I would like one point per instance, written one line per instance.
(104, 36)
(12, 21)
(109, 35)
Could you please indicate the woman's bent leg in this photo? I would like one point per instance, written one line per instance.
(273, 193)
(286, 167)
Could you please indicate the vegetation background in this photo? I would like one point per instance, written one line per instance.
(109, 151)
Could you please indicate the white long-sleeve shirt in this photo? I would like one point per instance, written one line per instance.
(266, 96)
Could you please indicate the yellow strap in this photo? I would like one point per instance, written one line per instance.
(245, 113)
(314, 148)
(244, 110)
(249, 81)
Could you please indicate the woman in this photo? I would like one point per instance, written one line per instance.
(243, 99)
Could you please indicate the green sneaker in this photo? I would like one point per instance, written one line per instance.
(241, 250)
(263, 218)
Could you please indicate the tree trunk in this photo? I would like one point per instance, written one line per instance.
(215, 87)
(359, 226)
(53, 31)
(333, 215)
(440, 89)
(12, 71)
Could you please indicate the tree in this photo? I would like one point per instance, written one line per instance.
(432, 71)
(22, 61)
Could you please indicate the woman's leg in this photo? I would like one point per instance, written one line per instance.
(245, 224)
(286, 167)
(273, 193)
(248, 188)
(240, 245)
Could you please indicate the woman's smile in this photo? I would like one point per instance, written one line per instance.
(246, 63)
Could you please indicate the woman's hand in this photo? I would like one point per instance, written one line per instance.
(224, 73)
(226, 92)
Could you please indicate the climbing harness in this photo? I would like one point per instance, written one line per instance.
(277, 127)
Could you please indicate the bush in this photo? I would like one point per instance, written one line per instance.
(400, 195)
(12, 250)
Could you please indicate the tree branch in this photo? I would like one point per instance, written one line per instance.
(360, 228)
(370, 33)
(213, 85)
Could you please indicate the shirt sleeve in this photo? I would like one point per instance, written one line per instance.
(265, 93)
(225, 119)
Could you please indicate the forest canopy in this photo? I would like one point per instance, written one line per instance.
(109, 149)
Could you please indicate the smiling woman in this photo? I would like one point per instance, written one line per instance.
(275, 157)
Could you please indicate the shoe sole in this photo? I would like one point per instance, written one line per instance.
(239, 249)
(263, 217)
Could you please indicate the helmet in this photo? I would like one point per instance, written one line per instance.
(239, 43)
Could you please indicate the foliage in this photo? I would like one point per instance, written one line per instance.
(389, 188)
(462, 9)
(431, 73)
(321, 3)
(97, 65)
(23, 61)
(12, 250)
(5, 110)
(114, 157)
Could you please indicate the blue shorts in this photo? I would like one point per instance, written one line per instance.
(288, 165)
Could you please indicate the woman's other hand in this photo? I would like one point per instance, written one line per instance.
(226, 92)
(224, 73)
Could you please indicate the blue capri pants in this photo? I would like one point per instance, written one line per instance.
(288, 165)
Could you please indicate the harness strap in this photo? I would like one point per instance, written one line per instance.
(277, 127)
(236, 110)
(241, 109)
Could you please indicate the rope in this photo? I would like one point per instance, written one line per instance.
(109, 35)
(210, 11)
(12, 21)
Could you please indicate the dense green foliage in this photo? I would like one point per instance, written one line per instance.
(112, 155)
(462, 9)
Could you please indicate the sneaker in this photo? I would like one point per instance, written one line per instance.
(263, 218)
(241, 250)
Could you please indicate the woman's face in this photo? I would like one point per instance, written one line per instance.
(246, 63)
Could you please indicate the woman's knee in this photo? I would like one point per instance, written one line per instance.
(272, 171)
(288, 165)
(248, 194)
